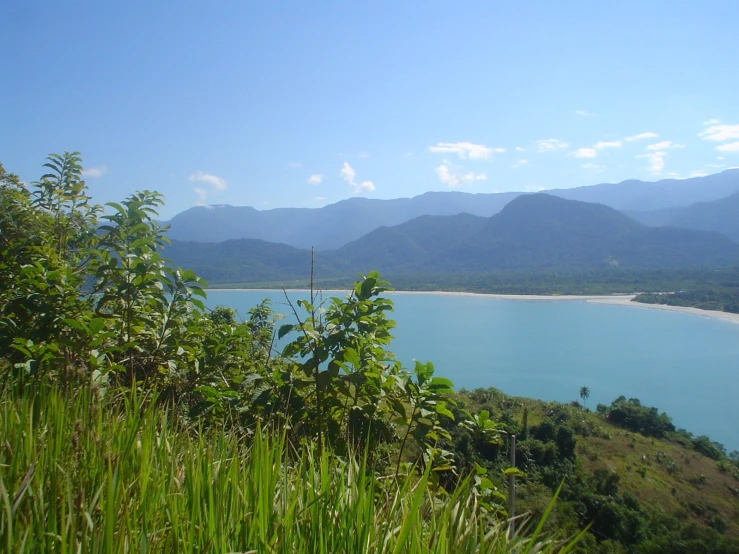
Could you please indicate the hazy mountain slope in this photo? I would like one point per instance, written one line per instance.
(542, 231)
(329, 227)
(668, 193)
(249, 260)
(410, 243)
(653, 218)
(533, 232)
(719, 215)
(337, 224)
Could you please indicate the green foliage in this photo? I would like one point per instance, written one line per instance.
(631, 415)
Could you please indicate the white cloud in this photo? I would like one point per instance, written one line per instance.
(213, 180)
(720, 133)
(594, 167)
(533, 188)
(732, 147)
(521, 162)
(349, 175)
(719, 157)
(640, 136)
(603, 144)
(712, 122)
(520, 149)
(466, 150)
(717, 166)
(584, 113)
(585, 153)
(455, 180)
(664, 145)
(315, 179)
(656, 161)
(593, 152)
(95, 172)
(550, 145)
(200, 197)
(293, 164)
(364, 154)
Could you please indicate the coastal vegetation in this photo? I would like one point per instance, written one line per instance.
(133, 418)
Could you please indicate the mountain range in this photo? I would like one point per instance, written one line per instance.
(333, 226)
(532, 232)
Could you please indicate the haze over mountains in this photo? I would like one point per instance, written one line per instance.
(532, 232)
(337, 224)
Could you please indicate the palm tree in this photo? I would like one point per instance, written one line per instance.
(584, 394)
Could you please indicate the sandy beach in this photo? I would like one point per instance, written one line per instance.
(615, 300)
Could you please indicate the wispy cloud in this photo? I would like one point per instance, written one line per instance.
(533, 188)
(656, 161)
(713, 121)
(593, 152)
(641, 136)
(95, 172)
(200, 197)
(349, 175)
(732, 147)
(607, 144)
(519, 163)
(520, 149)
(315, 179)
(720, 133)
(550, 145)
(592, 166)
(585, 153)
(698, 173)
(454, 179)
(664, 145)
(293, 164)
(364, 154)
(466, 150)
(214, 181)
(584, 113)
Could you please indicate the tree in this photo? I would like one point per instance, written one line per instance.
(584, 394)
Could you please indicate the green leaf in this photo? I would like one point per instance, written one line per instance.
(285, 329)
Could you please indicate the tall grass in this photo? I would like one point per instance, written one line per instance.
(78, 474)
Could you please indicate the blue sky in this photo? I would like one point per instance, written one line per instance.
(307, 103)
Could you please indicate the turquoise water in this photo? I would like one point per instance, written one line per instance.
(684, 364)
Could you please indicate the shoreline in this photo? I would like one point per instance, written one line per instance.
(611, 299)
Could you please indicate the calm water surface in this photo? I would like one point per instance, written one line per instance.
(684, 364)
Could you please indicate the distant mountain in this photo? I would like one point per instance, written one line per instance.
(542, 231)
(533, 232)
(719, 215)
(668, 193)
(250, 260)
(410, 243)
(337, 224)
(653, 218)
(329, 227)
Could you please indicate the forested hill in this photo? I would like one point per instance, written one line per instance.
(335, 225)
(533, 232)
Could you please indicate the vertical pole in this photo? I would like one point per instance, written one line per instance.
(512, 489)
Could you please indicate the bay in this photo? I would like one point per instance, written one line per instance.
(684, 364)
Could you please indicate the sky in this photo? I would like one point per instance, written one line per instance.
(302, 104)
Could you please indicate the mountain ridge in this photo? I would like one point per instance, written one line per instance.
(337, 224)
